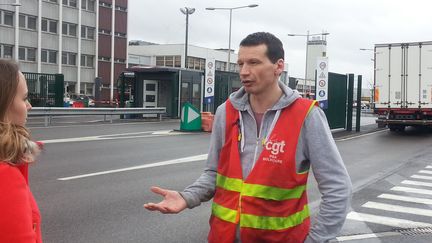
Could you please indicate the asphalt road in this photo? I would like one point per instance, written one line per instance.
(93, 179)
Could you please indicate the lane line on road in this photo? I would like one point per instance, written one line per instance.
(366, 236)
(389, 221)
(428, 167)
(416, 183)
(359, 136)
(398, 209)
(97, 125)
(162, 163)
(406, 199)
(426, 172)
(411, 190)
(116, 136)
(422, 177)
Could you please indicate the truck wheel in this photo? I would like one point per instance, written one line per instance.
(397, 128)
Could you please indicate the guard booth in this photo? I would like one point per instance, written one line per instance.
(172, 88)
(45, 90)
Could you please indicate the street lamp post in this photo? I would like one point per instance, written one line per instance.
(307, 52)
(16, 5)
(187, 11)
(227, 68)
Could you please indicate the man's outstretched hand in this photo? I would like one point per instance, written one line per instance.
(173, 202)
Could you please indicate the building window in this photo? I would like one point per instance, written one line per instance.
(104, 4)
(87, 61)
(49, 25)
(119, 60)
(70, 3)
(168, 61)
(69, 58)
(87, 32)
(120, 34)
(220, 66)
(6, 51)
(6, 18)
(27, 54)
(123, 9)
(88, 5)
(103, 31)
(196, 63)
(27, 22)
(49, 56)
(105, 59)
(69, 29)
(51, 1)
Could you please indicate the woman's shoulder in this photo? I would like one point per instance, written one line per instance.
(10, 175)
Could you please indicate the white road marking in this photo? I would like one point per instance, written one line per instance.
(428, 167)
(411, 190)
(359, 136)
(115, 136)
(162, 163)
(426, 172)
(393, 222)
(422, 177)
(416, 183)
(366, 236)
(406, 199)
(398, 209)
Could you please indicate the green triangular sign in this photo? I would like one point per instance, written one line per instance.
(190, 118)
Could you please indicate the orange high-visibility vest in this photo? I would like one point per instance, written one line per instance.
(270, 205)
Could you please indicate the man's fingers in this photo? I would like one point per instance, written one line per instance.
(155, 207)
(159, 191)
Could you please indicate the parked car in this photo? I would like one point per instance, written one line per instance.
(88, 101)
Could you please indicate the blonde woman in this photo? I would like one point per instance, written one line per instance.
(19, 214)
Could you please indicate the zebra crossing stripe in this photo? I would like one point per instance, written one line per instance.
(398, 209)
(422, 177)
(416, 183)
(393, 222)
(412, 190)
(366, 236)
(426, 172)
(406, 199)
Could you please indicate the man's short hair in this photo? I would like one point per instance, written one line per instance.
(275, 49)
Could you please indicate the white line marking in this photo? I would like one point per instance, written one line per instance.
(406, 199)
(416, 183)
(105, 124)
(428, 167)
(426, 172)
(422, 177)
(398, 209)
(366, 236)
(394, 222)
(162, 163)
(411, 190)
(359, 136)
(113, 136)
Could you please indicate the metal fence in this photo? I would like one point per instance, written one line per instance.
(45, 90)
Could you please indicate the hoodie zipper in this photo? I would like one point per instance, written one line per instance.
(257, 142)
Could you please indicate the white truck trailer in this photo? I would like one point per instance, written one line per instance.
(403, 85)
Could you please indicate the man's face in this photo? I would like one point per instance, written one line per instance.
(257, 72)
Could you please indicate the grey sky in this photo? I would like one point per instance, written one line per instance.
(351, 24)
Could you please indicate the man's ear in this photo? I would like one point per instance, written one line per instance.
(280, 66)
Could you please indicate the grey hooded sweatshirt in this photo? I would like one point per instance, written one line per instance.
(316, 148)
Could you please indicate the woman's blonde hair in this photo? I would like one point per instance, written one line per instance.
(15, 144)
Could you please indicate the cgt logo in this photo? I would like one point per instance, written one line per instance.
(275, 147)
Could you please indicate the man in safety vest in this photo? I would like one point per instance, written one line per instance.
(265, 138)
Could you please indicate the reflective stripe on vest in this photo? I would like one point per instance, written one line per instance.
(260, 222)
(260, 191)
